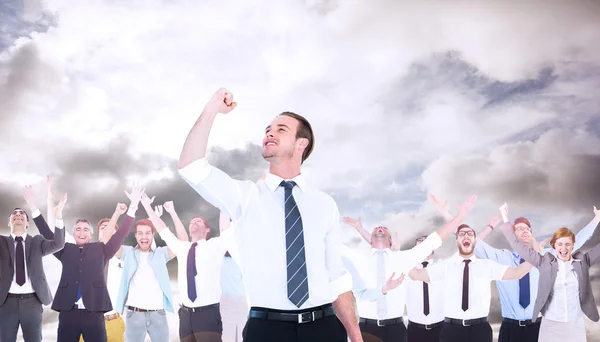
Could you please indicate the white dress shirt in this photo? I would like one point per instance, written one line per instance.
(113, 280)
(364, 276)
(26, 287)
(257, 210)
(449, 272)
(564, 305)
(144, 289)
(209, 258)
(414, 299)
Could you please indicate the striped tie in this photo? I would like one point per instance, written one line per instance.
(297, 282)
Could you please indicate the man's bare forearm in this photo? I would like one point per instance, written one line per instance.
(196, 142)
(344, 308)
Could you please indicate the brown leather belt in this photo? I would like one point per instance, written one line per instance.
(111, 316)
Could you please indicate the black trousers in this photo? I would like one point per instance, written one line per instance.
(327, 329)
(76, 322)
(201, 324)
(419, 334)
(510, 332)
(458, 333)
(387, 333)
(25, 310)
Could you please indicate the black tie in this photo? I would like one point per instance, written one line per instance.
(465, 292)
(425, 293)
(20, 261)
(191, 272)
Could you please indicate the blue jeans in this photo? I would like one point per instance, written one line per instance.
(139, 323)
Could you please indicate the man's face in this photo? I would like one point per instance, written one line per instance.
(280, 139)
(82, 233)
(198, 230)
(144, 236)
(523, 233)
(18, 219)
(381, 234)
(465, 241)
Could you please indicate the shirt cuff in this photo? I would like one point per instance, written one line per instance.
(342, 284)
(196, 171)
(36, 213)
(435, 240)
(59, 223)
(131, 211)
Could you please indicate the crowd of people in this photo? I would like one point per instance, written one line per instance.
(295, 278)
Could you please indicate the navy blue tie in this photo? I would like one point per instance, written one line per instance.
(524, 295)
(78, 292)
(297, 278)
(192, 272)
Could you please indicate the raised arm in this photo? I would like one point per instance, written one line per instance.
(357, 224)
(463, 210)
(112, 224)
(513, 273)
(494, 221)
(442, 208)
(53, 243)
(116, 240)
(224, 221)
(373, 294)
(196, 142)
(179, 227)
(526, 252)
(586, 233)
(158, 223)
(50, 203)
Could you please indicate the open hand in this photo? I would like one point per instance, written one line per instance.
(356, 223)
(135, 194)
(441, 207)
(468, 205)
(539, 246)
(158, 210)
(61, 205)
(392, 283)
(146, 201)
(29, 197)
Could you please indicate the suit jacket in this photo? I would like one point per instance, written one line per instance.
(547, 264)
(35, 248)
(86, 266)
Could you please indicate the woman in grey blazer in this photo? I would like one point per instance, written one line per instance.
(564, 289)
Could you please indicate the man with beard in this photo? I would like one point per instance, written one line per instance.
(380, 302)
(23, 286)
(199, 274)
(82, 297)
(283, 228)
(467, 292)
(517, 297)
(145, 289)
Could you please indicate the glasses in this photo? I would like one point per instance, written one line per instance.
(421, 239)
(462, 233)
(18, 212)
(522, 229)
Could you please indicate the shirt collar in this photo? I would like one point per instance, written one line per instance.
(274, 181)
(374, 250)
(24, 236)
(152, 249)
(460, 259)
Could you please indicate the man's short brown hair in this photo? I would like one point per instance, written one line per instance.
(144, 222)
(304, 131)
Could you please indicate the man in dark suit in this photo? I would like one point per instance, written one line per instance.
(82, 297)
(23, 286)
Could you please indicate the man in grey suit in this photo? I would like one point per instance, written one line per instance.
(23, 286)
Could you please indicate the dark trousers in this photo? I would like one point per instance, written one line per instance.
(201, 324)
(415, 333)
(387, 333)
(76, 322)
(458, 333)
(327, 329)
(510, 332)
(24, 310)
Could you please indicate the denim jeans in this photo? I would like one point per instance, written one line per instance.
(139, 323)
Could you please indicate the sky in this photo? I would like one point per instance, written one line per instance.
(494, 98)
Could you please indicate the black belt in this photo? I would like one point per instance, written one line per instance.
(199, 308)
(381, 322)
(310, 315)
(425, 326)
(21, 295)
(519, 323)
(466, 322)
(133, 308)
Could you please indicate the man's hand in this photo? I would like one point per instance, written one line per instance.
(169, 207)
(441, 207)
(60, 206)
(356, 223)
(50, 196)
(504, 212)
(395, 243)
(135, 195)
(539, 246)
(120, 209)
(494, 221)
(158, 210)
(465, 208)
(146, 201)
(29, 197)
(221, 102)
(392, 283)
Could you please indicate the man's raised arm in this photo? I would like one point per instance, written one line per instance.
(463, 210)
(115, 242)
(174, 245)
(357, 224)
(179, 227)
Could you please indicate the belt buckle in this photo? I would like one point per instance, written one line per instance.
(379, 324)
(464, 324)
(310, 318)
(522, 325)
(427, 327)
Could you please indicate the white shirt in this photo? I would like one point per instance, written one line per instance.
(365, 277)
(144, 289)
(209, 258)
(26, 287)
(257, 210)
(113, 280)
(564, 305)
(414, 299)
(449, 272)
